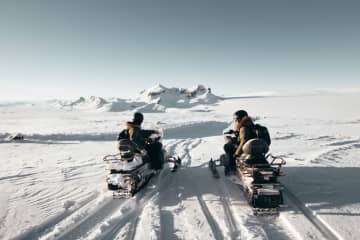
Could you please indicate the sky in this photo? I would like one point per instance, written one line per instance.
(72, 48)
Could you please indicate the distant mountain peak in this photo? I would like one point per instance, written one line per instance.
(155, 99)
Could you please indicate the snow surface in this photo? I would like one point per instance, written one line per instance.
(52, 183)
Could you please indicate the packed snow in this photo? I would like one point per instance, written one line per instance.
(52, 180)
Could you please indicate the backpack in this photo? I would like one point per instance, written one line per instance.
(262, 133)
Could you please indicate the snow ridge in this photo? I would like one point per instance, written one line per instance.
(156, 99)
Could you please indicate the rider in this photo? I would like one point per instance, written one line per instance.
(244, 131)
(152, 150)
(133, 131)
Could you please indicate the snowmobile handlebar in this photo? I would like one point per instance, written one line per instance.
(231, 132)
(151, 136)
(231, 136)
(112, 157)
(147, 133)
(117, 156)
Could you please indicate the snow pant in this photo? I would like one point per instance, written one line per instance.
(230, 149)
(156, 154)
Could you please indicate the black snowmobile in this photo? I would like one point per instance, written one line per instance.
(259, 174)
(131, 168)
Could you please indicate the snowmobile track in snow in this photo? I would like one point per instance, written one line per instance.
(325, 230)
(133, 215)
(230, 218)
(161, 215)
(132, 230)
(212, 222)
(89, 221)
(224, 197)
(50, 224)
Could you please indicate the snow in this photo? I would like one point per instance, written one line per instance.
(156, 99)
(52, 182)
(178, 97)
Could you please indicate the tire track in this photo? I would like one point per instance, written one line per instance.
(234, 231)
(163, 233)
(214, 226)
(80, 228)
(217, 233)
(49, 225)
(132, 231)
(134, 215)
(113, 231)
(322, 227)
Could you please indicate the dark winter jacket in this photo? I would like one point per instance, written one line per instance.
(246, 133)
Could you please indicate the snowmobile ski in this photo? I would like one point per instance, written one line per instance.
(212, 167)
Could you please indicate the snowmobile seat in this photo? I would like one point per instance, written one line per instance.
(254, 153)
(256, 148)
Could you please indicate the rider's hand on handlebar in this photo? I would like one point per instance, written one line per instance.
(229, 132)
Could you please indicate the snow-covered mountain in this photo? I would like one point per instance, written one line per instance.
(155, 99)
(92, 102)
(178, 97)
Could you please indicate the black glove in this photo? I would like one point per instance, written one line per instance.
(229, 132)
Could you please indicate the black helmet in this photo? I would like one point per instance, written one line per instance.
(138, 118)
(240, 114)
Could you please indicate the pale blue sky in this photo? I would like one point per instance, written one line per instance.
(117, 48)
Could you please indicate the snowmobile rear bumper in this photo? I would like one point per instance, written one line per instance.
(266, 211)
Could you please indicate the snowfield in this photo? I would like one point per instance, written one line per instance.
(52, 183)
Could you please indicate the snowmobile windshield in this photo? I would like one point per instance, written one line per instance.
(157, 135)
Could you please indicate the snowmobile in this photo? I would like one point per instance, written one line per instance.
(15, 137)
(258, 172)
(131, 169)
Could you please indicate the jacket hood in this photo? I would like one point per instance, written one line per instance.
(247, 122)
